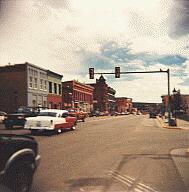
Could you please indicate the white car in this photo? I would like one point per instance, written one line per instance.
(51, 120)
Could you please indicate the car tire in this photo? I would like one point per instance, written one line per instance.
(20, 177)
(58, 131)
(73, 128)
(83, 119)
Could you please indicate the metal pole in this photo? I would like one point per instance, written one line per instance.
(169, 99)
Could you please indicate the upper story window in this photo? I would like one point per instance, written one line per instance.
(59, 89)
(30, 82)
(50, 87)
(45, 85)
(55, 88)
(41, 84)
(35, 83)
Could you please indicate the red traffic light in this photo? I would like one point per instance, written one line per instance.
(117, 72)
(91, 73)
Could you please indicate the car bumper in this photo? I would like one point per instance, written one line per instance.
(39, 128)
(37, 161)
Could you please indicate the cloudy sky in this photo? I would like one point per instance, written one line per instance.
(69, 36)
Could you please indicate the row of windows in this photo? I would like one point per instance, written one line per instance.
(34, 72)
(82, 96)
(55, 88)
(33, 83)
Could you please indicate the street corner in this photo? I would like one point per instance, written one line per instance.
(166, 126)
(162, 122)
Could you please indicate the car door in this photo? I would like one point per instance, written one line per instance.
(71, 120)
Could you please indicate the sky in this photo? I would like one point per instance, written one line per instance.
(69, 36)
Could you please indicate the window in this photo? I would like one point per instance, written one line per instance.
(55, 88)
(30, 82)
(44, 104)
(41, 84)
(59, 89)
(35, 83)
(45, 85)
(50, 87)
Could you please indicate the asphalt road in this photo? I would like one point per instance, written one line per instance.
(125, 153)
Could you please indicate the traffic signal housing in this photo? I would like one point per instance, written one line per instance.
(91, 73)
(117, 72)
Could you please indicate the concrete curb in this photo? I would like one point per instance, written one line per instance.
(166, 126)
(187, 152)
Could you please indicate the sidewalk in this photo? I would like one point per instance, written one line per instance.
(181, 124)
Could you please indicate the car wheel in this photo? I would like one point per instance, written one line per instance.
(57, 131)
(73, 128)
(83, 119)
(20, 177)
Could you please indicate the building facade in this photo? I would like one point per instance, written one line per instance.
(54, 98)
(100, 95)
(77, 95)
(22, 85)
(111, 100)
(104, 96)
(147, 107)
(123, 104)
(183, 104)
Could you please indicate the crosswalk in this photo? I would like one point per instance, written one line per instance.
(131, 183)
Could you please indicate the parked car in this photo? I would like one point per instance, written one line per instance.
(95, 113)
(19, 159)
(51, 120)
(18, 117)
(2, 116)
(80, 115)
(152, 114)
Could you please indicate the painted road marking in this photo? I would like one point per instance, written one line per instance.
(130, 181)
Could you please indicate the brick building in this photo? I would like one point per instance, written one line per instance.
(54, 97)
(22, 85)
(123, 104)
(104, 96)
(77, 95)
(111, 100)
(184, 103)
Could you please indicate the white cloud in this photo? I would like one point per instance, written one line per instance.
(53, 37)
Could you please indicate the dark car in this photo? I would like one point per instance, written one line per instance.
(19, 159)
(152, 114)
(18, 117)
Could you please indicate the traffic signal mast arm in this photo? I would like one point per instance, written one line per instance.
(112, 73)
(118, 72)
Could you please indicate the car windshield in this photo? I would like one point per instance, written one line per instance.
(103, 87)
(51, 114)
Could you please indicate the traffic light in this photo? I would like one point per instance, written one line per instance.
(117, 72)
(91, 73)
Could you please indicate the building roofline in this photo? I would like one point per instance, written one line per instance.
(83, 84)
(30, 64)
(56, 74)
